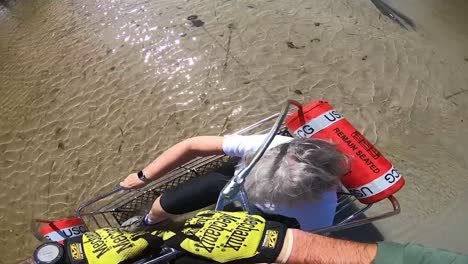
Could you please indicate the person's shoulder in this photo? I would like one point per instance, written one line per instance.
(238, 145)
(278, 140)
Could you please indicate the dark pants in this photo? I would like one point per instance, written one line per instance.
(194, 194)
(203, 191)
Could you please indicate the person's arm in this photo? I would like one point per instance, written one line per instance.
(313, 248)
(394, 253)
(176, 156)
(232, 236)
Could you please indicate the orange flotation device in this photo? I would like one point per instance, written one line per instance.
(372, 177)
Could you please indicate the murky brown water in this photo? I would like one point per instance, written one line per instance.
(92, 90)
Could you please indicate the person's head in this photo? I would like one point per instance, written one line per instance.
(295, 172)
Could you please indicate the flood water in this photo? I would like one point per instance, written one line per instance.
(93, 90)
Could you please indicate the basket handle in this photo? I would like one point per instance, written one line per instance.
(90, 202)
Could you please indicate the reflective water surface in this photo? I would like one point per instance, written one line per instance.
(93, 90)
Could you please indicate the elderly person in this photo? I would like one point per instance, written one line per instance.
(295, 178)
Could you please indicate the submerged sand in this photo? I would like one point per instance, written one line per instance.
(90, 91)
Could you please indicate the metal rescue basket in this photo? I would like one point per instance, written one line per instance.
(117, 206)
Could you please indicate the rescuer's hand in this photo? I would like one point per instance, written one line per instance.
(112, 245)
(228, 236)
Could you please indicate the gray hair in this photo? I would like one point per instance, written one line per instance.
(295, 172)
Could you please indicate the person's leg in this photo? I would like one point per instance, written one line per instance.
(157, 213)
(192, 195)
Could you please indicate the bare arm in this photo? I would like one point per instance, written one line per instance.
(175, 156)
(183, 152)
(313, 248)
